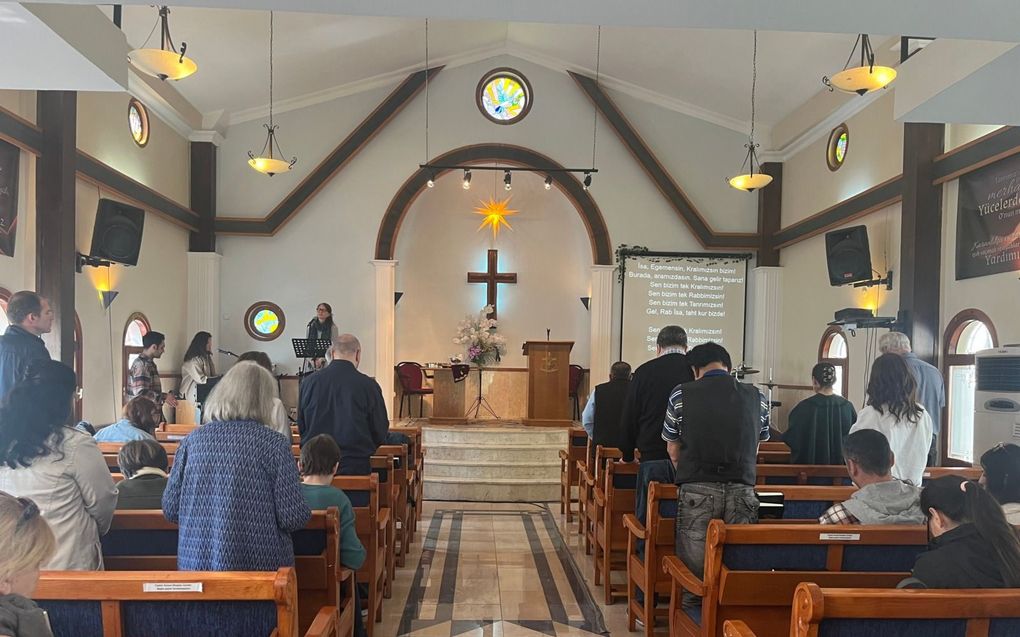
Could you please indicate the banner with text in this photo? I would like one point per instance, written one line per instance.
(988, 220)
(705, 295)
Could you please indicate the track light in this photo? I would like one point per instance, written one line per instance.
(506, 180)
(548, 182)
(431, 183)
(587, 181)
(467, 180)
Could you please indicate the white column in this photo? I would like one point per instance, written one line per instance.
(385, 327)
(204, 294)
(600, 309)
(767, 319)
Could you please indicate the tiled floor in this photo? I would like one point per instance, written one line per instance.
(497, 570)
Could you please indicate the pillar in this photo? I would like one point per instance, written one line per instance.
(385, 327)
(204, 295)
(600, 309)
(767, 320)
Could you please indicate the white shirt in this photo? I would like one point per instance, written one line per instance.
(908, 440)
(1012, 512)
(281, 423)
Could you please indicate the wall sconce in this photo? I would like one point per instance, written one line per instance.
(106, 297)
(396, 297)
(586, 301)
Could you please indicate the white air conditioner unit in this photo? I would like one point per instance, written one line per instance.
(996, 398)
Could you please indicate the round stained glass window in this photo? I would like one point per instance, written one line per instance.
(839, 142)
(264, 321)
(138, 122)
(504, 96)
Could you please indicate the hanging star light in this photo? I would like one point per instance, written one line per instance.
(495, 213)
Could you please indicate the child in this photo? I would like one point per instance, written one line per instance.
(144, 464)
(26, 543)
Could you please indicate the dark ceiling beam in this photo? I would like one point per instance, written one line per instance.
(675, 195)
(770, 215)
(988, 149)
(346, 150)
(20, 132)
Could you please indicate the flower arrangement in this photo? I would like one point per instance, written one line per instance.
(478, 335)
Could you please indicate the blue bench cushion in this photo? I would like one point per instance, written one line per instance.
(309, 541)
(1005, 627)
(892, 628)
(81, 619)
(881, 558)
(140, 542)
(625, 481)
(774, 557)
(804, 509)
(200, 619)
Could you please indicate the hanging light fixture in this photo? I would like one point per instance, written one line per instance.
(166, 62)
(751, 180)
(864, 78)
(266, 162)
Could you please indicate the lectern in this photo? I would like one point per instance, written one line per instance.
(548, 383)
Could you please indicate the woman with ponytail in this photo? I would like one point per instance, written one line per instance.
(818, 425)
(972, 545)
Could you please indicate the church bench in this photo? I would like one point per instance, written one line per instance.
(577, 444)
(383, 468)
(752, 570)
(111, 449)
(401, 503)
(643, 570)
(614, 500)
(836, 475)
(370, 524)
(593, 482)
(415, 474)
(806, 502)
(833, 612)
(196, 603)
(143, 540)
(585, 466)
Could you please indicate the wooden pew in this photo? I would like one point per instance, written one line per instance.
(751, 571)
(370, 523)
(614, 499)
(577, 444)
(111, 449)
(594, 482)
(585, 484)
(230, 604)
(643, 570)
(836, 475)
(773, 453)
(383, 467)
(806, 503)
(401, 503)
(142, 540)
(900, 613)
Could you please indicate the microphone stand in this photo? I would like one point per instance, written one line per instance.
(227, 352)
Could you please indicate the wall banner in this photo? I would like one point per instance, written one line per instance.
(10, 156)
(988, 220)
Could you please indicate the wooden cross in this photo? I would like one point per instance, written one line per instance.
(492, 277)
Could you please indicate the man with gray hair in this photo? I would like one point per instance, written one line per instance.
(341, 401)
(931, 388)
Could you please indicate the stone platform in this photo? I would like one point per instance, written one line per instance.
(493, 461)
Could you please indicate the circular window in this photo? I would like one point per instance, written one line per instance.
(839, 141)
(138, 122)
(264, 321)
(504, 96)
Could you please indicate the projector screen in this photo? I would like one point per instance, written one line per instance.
(703, 293)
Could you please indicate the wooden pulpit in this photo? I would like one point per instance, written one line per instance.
(548, 383)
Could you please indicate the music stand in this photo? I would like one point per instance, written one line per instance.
(305, 348)
(203, 389)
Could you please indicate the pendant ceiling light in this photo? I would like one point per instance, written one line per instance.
(166, 62)
(751, 180)
(266, 162)
(864, 78)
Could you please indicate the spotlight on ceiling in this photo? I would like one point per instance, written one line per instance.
(587, 181)
(467, 180)
(548, 182)
(865, 77)
(506, 180)
(431, 183)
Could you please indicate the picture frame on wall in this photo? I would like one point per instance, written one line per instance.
(10, 156)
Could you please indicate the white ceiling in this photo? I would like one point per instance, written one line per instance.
(706, 72)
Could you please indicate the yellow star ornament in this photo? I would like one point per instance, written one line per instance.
(495, 213)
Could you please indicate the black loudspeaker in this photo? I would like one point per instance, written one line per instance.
(117, 235)
(848, 255)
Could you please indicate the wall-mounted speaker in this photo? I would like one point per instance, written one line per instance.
(117, 234)
(848, 255)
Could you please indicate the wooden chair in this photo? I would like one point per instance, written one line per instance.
(610, 534)
(751, 570)
(383, 467)
(412, 383)
(644, 571)
(819, 611)
(370, 524)
(231, 604)
(577, 444)
(401, 504)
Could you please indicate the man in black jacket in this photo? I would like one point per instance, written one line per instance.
(30, 317)
(346, 404)
(601, 417)
(645, 407)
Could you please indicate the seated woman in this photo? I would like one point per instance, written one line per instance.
(141, 416)
(57, 466)
(279, 421)
(26, 543)
(234, 489)
(818, 425)
(1001, 465)
(320, 458)
(973, 546)
(144, 464)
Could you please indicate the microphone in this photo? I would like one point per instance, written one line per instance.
(227, 352)
(312, 322)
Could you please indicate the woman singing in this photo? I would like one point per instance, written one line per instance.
(198, 365)
(323, 328)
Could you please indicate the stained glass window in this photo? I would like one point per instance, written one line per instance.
(138, 122)
(504, 96)
(264, 321)
(839, 142)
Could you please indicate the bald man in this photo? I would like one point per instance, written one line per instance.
(346, 404)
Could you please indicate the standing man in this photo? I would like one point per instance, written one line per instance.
(712, 429)
(931, 388)
(346, 404)
(143, 377)
(601, 416)
(30, 316)
(646, 403)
